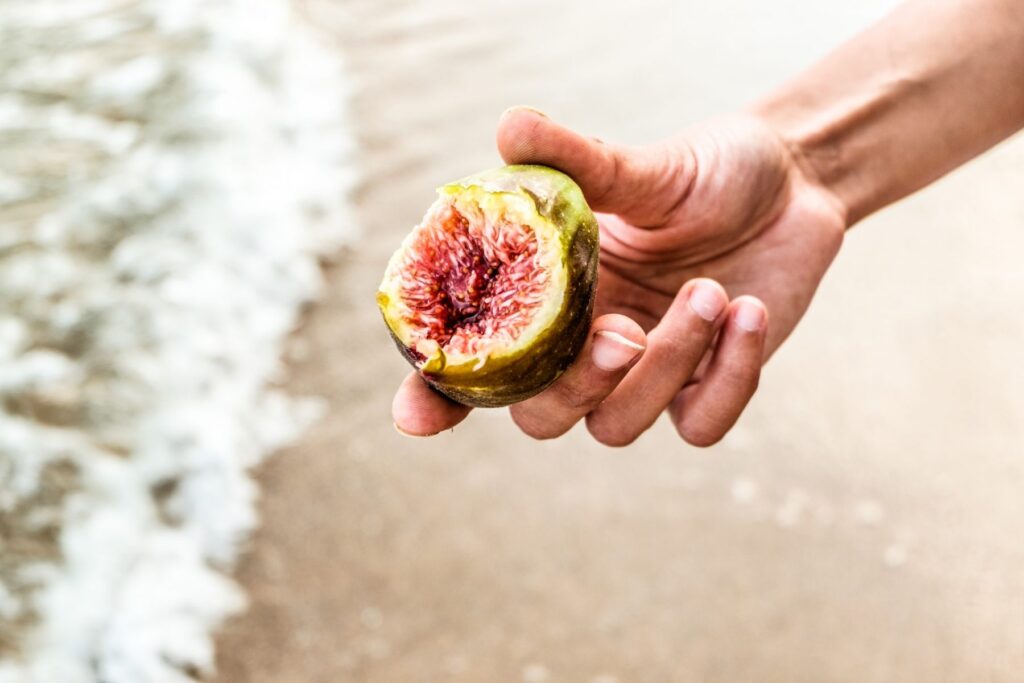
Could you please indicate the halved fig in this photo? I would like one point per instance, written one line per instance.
(490, 296)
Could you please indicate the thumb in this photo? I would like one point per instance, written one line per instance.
(639, 183)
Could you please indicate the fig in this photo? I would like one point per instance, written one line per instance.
(490, 296)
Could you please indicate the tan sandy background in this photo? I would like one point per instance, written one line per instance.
(864, 522)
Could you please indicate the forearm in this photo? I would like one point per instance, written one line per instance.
(929, 87)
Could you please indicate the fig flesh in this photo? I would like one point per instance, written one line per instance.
(490, 296)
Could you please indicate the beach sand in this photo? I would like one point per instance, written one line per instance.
(862, 523)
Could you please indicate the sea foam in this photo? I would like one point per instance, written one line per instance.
(170, 175)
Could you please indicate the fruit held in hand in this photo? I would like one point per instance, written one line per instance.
(490, 297)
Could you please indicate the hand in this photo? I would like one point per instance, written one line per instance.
(701, 236)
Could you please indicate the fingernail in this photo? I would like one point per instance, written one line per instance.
(750, 316)
(525, 108)
(612, 351)
(409, 434)
(707, 301)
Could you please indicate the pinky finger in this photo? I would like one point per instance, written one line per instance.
(704, 412)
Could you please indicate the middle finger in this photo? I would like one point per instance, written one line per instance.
(675, 348)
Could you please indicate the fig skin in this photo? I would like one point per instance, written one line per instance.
(526, 372)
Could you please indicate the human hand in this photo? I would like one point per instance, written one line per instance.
(701, 236)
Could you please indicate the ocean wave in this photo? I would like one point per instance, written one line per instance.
(170, 175)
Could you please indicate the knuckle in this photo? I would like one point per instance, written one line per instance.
(678, 351)
(536, 428)
(675, 176)
(610, 435)
(699, 435)
(613, 161)
(540, 433)
(742, 380)
(573, 397)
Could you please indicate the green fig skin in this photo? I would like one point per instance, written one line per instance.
(526, 372)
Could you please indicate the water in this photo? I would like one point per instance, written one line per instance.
(170, 175)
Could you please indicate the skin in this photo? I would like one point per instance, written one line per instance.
(704, 234)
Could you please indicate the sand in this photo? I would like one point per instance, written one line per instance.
(862, 523)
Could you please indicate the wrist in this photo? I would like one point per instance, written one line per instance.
(815, 155)
(905, 102)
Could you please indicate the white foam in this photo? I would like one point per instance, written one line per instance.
(191, 164)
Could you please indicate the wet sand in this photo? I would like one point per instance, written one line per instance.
(864, 521)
